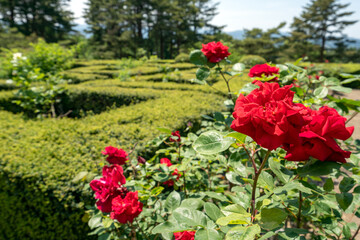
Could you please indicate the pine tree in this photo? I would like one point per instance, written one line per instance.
(48, 19)
(322, 21)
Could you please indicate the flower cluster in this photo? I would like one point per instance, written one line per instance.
(270, 117)
(215, 51)
(115, 155)
(264, 70)
(112, 197)
(168, 163)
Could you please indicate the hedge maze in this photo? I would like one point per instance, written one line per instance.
(107, 103)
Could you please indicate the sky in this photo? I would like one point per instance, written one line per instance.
(248, 14)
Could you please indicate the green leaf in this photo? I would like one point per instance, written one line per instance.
(202, 73)
(95, 221)
(321, 92)
(197, 57)
(105, 236)
(350, 80)
(267, 235)
(276, 168)
(328, 185)
(272, 217)
(167, 227)
(239, 67)
(173, 201)
(207, 234)
(234, 218)
(156, 191)
(211, 142)
(213, 211)
(344, 200)
(235, 208)
(346, 184)
(218, 196)
(81, 176)
(341, 89)
(243, 233)
(190, 217)
(347, 232)
(192, 203)
(318, 168)
(240, 138)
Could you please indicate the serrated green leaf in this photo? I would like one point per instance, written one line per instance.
(173, 201)
(213, 211)
(190, 217)
(156, 191)
(192, 203)
(197, 57)
(234, 218)
(208, 234)
(202, 73)
(272, 217)
(212, 142)
(321, 92)
(328, 185)
(344, 200)
(243, 233)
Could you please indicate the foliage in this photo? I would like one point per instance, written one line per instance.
(322, 21)
(182, 57)
(50, 19)
(170, 26)
(36, 75)
(252, 60)
(232, 188)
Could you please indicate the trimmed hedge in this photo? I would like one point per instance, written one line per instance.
(39, 159)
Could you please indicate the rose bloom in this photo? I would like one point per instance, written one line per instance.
(115, 155)
(171, 182)
(141, 160)
(108, 187)
(177, 135)
(215, 52)
(185, 235)
(268, 115)
(126, 209)
(165, 161)
(261, 70)
(318, 137)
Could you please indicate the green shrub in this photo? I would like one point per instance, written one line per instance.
(182, 57)
(251, 60)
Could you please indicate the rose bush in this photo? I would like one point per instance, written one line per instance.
(263, 169)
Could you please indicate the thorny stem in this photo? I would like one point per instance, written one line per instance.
(356, 233)
(250, 157)
(352, 116)
(256, 177)
(298, 220)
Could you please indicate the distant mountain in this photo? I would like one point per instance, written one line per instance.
(81, 29)
(240, 34)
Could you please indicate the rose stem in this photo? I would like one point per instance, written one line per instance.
(256, 177)
(227, 84)
(356, 233)
(299, 213)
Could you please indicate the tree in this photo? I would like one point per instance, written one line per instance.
(48, 19)
(322, 21)
(162, 27)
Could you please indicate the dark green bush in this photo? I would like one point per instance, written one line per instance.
(251, 60)
(182, 57)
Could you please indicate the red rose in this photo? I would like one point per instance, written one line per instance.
(261, 70)
(177, 138)
(115, 155)
(268, 115)
(185, 235)
(108, 187)
(141, 160)
(318, 138)
(215, 52)
(126, 209)
(171, 182)
(317, 77)
(165, 161)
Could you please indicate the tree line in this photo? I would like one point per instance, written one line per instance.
(166, 28)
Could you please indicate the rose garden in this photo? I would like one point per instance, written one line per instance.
(215, 143)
